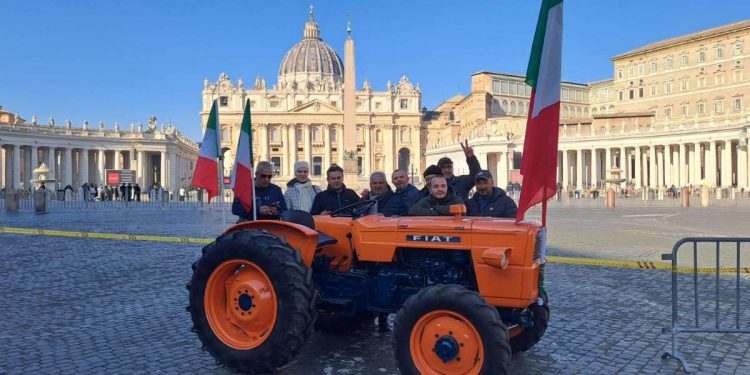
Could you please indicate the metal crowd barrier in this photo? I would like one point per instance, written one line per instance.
(716, 327)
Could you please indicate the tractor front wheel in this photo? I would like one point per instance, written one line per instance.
(448, 329)
(523, 339)
(251, 301)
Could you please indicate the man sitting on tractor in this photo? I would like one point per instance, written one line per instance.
(490, 200)
(269, 201)
(387, 203)
(461, 184)
(335, 196)
(405, 191)
(430, 172)
(438, 202)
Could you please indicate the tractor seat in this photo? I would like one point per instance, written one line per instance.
(304, 218)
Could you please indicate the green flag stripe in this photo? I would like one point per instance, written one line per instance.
(211, 123)
(247, 127)
(532, 71)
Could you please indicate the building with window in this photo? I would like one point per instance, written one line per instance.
(675, 113)
(301, 116)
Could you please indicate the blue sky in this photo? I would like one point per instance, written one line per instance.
(107, 60)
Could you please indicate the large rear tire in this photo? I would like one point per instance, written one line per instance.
(251, 301)
(448, 329)
(523, 339)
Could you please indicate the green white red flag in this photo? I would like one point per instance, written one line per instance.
(539, 163)
(242, 175)
(206, 173)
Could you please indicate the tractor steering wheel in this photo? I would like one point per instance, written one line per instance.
(355, 209)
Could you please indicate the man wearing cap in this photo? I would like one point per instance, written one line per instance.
(439, 201)
(430, 172)
(461, 184)
(490, 200)
(300, 192)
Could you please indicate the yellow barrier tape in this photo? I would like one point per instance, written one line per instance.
(105, 236)
(614, 263)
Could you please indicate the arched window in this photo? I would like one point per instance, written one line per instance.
(316, 133)
(585, 112)
(378, 136)
(566, 112)
(593, 111)
(579, 112)
(226, 134)
(333, 135)
(505, 106)
(513, 109)
(522, 108)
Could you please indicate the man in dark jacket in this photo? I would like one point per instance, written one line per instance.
(269, 201)
(137, 192)
(461, 184)
(388, 203)
(490, 200)
(405, 191)
(439, 201)
(430, 172)
(335, 196)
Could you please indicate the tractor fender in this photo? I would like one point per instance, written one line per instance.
(300, 237)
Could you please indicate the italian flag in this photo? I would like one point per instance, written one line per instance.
(206, 173)
(539, 163)
(242, 175)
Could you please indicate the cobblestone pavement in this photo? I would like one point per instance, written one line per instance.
(98, 306)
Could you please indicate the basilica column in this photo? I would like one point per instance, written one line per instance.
(163, 169)
(502, 169)
(667, 165)
(118, 164)
(594, 168)
(263, 142)
(67, 166)
(660, 168)
(291, 149)
(101, 178)
(697, 164)
(83, 166)
(682, 170)
(652, 167)
(16, 182)
(638, 166)
(307, 133)
(690, 168)
(726, 163)
(141, 169)
(711, 163)
(607, 163)
(51, 163)
(579, 169)
(367, 160)
(326, 150)
(566, 170)
(742, 164)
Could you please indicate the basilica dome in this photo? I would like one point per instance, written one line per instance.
(311, 59)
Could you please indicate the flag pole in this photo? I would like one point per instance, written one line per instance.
(220, 167)
(544, 206)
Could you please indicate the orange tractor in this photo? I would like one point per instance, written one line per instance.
(466, 291)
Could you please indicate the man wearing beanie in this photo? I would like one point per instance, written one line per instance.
(429, 173)
(461, 184)
(300, 192)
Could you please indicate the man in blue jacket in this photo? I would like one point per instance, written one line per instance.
(269, 201)
(408, 193)
(490, 200)
(387, 203)
(335, 196)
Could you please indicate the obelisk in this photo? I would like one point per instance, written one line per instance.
(350, 115)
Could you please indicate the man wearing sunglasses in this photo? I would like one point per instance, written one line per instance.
(269, 201)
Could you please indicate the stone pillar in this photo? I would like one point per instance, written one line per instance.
(163, 169)
(118, 164)
(683, 168)
(660, 168)
(566, 170)
(502, 170)
(638, 166)
(579, 169)
(667, 165)
(607, 163)
(652, 167)
(326, 150)
(51, 164)
(306, 132)
(726, 164)
(83, 166)
(100, 179)
(690, 179)
(141, 169)
(16, 181)
(66, 163)
(711, 163)
(742, 165)
(697, 164)
(594, 168)
(34, 162)
(263, 142)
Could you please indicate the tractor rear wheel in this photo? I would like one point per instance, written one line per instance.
(251, 301)
(523, 339)
(448, 329)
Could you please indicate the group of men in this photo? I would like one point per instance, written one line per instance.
(442, 189)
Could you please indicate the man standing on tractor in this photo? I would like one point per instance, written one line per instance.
(490, 200)
(461, 184)
(430, 172)
(387, 203)
(335, 196)
(438, 202)
(405, 191)
(269, 201)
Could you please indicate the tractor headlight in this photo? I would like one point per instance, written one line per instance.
(540, 245)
